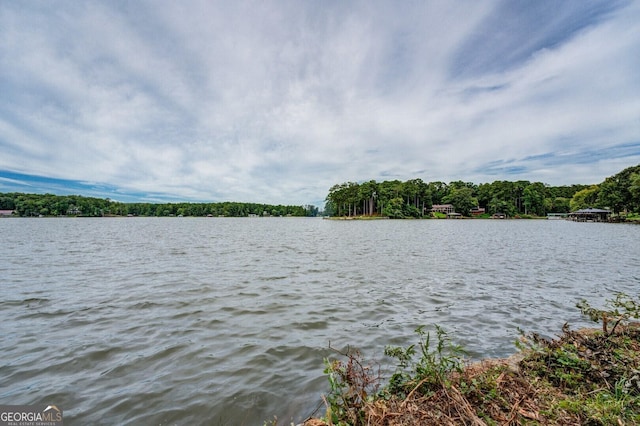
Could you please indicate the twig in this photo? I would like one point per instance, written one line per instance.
(468, 409)
(328, 410)
(413, 391)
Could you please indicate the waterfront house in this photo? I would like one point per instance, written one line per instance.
(477, 211)
(6, 213)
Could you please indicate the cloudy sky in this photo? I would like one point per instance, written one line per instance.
(276, 101)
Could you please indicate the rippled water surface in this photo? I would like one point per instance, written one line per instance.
(159, 321)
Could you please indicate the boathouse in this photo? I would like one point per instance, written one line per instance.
(590, 215)
(557, 215)
(442, 208)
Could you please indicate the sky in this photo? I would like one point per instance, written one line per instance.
(276, 101)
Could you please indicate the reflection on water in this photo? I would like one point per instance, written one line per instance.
(227, 321)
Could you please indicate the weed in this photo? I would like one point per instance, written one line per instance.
(582, 377)
(351, 383)
(431, 370)
(622, 309)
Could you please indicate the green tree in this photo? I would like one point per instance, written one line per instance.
(484, 195)
(533, 196)
(352, 192)
(585, 198)
(367, 194)
(393, 209)
(418, 196)
(611, 194)
(462, 199)
(387, 191)
(518, 194)
(616, 192)
(7, 203)
(497, 205)
(557, 205)
(634, 190)
(345, 198)
(438, 191)
(502, 198)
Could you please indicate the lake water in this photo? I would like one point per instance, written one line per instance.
(162, 321)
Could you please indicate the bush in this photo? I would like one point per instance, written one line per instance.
(581, 377)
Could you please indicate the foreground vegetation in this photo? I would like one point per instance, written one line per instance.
(584, 377)
(414, 198)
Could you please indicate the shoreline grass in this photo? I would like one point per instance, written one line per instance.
(581, 377)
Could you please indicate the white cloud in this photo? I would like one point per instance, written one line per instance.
(276, 102)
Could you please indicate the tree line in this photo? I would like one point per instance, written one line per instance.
(415, 198)
(27, 205)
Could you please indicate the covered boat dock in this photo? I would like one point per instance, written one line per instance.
(590, 215)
